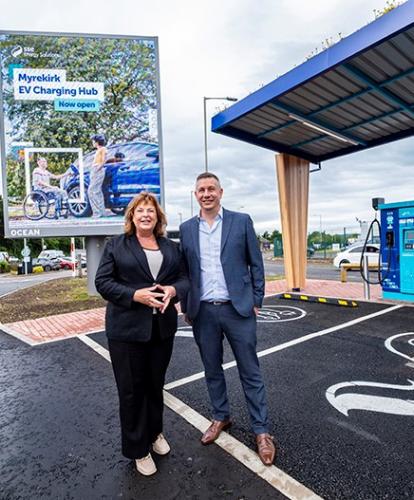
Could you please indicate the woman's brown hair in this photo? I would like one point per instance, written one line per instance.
(141, 198)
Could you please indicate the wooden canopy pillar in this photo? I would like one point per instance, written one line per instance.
(293, 184)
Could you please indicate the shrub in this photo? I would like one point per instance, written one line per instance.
(4, 266)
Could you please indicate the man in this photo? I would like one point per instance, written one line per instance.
(226, 289)
(41, 180)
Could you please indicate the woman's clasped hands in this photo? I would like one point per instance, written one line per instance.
(157, 296)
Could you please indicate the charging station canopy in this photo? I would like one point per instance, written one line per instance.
(355, 95)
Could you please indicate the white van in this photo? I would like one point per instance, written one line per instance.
(50, 254)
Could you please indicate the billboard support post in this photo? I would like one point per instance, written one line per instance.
(94, 250)
(73, 256)
(25, 257)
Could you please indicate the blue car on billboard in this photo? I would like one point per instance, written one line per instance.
(130, 168)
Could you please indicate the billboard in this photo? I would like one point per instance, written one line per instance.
(80, 131)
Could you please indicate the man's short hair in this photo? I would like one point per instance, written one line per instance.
(208, 175)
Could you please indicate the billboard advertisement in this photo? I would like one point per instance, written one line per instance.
(80, 131)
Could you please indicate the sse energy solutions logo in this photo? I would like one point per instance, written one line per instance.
(16, 51)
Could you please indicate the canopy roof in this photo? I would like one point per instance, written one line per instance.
(355, 95)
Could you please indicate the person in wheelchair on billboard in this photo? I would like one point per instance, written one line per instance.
(45, 200)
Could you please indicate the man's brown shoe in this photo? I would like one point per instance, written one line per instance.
(213, 432)
(265, 448)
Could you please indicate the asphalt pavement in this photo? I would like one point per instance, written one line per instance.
(340, 405)
(316, 269)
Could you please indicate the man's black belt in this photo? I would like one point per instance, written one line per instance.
(217, 302)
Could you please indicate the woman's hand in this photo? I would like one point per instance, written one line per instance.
(169, 293)
(148, 297)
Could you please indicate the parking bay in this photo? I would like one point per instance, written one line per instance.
(366, 453)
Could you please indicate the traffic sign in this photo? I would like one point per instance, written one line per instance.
(25, 252)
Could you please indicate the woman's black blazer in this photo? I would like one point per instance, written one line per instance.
(123, 269)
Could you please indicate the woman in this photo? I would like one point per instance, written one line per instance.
(141, 275)
(97, 176)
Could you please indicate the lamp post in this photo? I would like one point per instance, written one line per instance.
(205, 99)
(180, 215)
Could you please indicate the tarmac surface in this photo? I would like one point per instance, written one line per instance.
(341, 406)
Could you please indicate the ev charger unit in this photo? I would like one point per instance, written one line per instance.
(397, 250)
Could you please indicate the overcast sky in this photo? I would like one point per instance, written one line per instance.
(231, 48)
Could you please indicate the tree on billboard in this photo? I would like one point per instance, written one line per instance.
(127, 68)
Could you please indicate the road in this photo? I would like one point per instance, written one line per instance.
(315, 270)
(10, 283)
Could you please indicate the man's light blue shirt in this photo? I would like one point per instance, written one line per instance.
(213, 283)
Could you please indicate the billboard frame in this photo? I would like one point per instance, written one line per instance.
(91, 229)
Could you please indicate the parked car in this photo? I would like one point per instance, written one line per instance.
(174, 234)
(129, 169)
(47, 264)
(352, 254)
(50, 254)
(65, 263)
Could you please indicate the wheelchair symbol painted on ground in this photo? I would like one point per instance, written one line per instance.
(352, 400)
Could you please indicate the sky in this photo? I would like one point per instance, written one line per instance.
(231, 48)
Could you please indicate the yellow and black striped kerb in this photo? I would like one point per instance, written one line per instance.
(320, 300)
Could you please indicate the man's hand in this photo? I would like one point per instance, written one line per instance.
(188, 320)
(169, 293)
(148, 297)
(256, 310)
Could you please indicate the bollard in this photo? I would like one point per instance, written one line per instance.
(365, 270)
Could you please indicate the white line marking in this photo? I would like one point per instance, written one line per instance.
(184, 333)
(273, 475)
(285, 345)
(95, 346)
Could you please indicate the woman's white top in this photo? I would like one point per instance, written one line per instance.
(154, 258)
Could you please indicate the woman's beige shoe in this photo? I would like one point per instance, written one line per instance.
(146, 465)
(160, 445)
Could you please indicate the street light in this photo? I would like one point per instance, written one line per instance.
(205, 99)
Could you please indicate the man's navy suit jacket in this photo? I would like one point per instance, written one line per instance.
(241, 260)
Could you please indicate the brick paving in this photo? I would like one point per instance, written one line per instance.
(62, 326)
